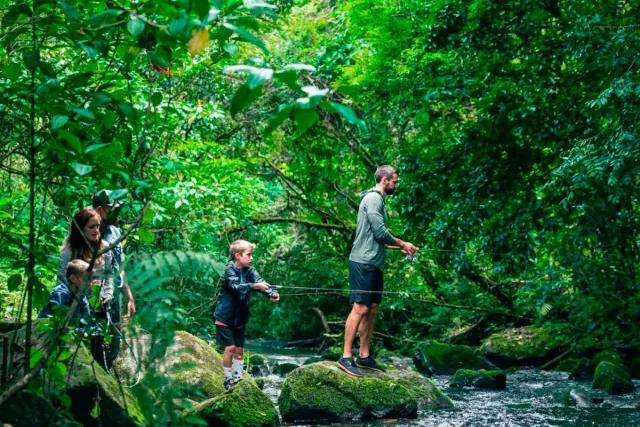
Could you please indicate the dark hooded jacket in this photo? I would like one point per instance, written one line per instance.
(236, 285)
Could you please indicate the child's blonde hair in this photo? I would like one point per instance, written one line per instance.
(76, 266)
(238, 247)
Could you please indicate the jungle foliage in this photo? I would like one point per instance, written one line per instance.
(514, 126)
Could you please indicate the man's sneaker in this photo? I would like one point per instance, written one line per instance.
(236, 380)
(228, 384)
(349, 366)
(368, 363)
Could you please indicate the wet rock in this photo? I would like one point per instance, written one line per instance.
(41, 412)
(313, 359)
(434, 357)
(529, 345)
(259, 383)
(321, 392)
(580, 399)
(284, 368)
(244, 406)
(577, 367)
(612, 378)
(608, 355)
(491, 380)
(89, 385)
(258, 365)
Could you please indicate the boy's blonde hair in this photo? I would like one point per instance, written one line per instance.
(238, 247)
(76, 266)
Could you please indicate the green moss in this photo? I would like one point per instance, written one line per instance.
(117, 404)
(321, 391)
(578, 367)
(41, 412)
(612, 378)
(244, 406)
(527, 343)
(194, 366)
(256, 359)
(608, 355)
(436, 357)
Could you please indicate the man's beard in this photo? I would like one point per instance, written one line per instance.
(389, 191)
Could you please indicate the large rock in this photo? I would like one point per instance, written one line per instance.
(89, 385)
(529, 345)
(491, 380)
(244, 406)
(612, 378)
(41, 412)
(434, 357)
(577, 367)
(322, 392)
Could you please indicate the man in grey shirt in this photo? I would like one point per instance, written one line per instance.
(366, 265)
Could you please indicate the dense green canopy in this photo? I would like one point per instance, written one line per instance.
(514, 126)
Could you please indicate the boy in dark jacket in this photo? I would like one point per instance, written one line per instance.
(64, 293)
(232, 309)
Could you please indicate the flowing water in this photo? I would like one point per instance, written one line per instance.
(533, 398)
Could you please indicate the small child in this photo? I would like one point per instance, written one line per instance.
(232, 309)
(64, 293)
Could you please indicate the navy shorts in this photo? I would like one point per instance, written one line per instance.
(226, 336)
(365, 283)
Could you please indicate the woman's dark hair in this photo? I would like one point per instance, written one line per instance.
(76, 240)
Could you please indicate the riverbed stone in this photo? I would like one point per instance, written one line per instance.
(41, 413)
(244, 406)
(577, 367)
(283, 368)
(484, 379)
(88, 384)
(433, 357)
(612, 378)
(321, 392)
(528, 345)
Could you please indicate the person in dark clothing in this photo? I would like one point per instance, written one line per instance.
(232, 309)
(64, 293)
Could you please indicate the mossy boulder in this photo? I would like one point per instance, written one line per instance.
(321, 392)
(244, 406)
(284, 368)
(194, 367)
(529, 345)
(608, 355)
(490, 380)
(41, 412)
(577, 367)
(433, 357)
(313, 359)
(612, 378)
(89, 384)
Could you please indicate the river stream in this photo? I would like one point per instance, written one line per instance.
(533, 398)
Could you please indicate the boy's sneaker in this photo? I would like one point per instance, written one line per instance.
(368, 363)
(228, 384)
(349, 366)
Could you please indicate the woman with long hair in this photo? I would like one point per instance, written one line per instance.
(84, 242)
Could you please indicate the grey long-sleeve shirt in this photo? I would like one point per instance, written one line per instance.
(372, 235)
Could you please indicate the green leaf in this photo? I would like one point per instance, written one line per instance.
(178, 26)
(12, 71)
(156, 99)
(13, 13)
(243, 97)
(71, 139)
(257, 76)
(58, 121)
(94, 147)
(146, 236)
(106, 16)
(31, 59)
(246, 36)
(277, 119)
(84, 113)
(305, 119)
(200, 7)
(135, 26)
(14, 282)
(348, 114)
(81, 169)
(289, 77)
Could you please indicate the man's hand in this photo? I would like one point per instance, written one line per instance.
(408, 249)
